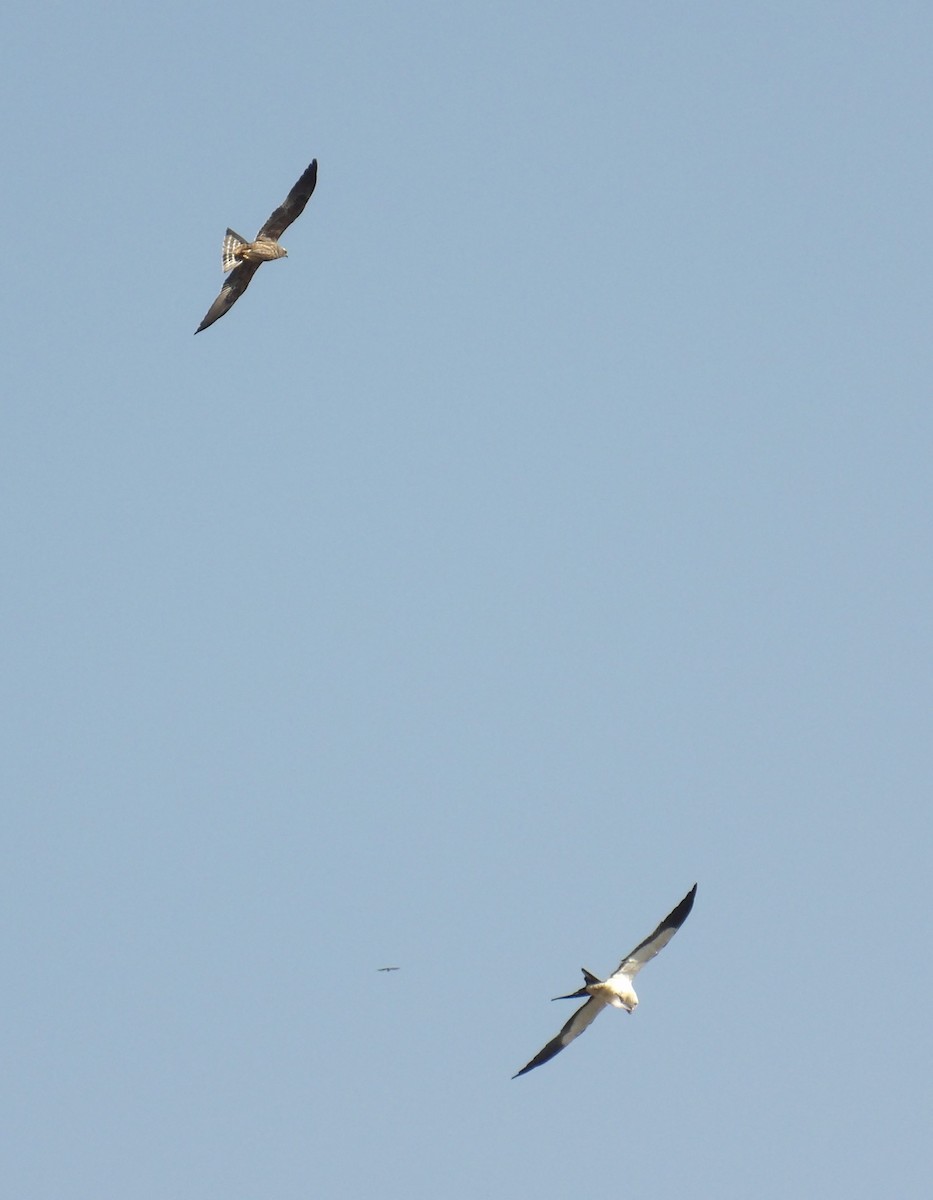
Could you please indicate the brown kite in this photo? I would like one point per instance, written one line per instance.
(243, 259)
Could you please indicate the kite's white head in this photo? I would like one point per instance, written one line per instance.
(629, 1003)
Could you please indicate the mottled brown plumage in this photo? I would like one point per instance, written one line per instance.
(243, 259)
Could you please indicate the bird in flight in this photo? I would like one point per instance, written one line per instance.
(243, 259)
(387, 968)
(617, 990)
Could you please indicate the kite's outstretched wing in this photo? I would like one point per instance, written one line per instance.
(234, 286)
(581, 1019)
(655, 942)
(293, 207)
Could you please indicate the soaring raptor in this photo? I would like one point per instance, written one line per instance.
(617, 990)
(243, 259)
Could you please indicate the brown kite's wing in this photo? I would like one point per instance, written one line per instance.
(293, 207)
(234, 286)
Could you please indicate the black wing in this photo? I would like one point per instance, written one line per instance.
(581, 1019)
(655, 942)
(234, 286)
(293, 207)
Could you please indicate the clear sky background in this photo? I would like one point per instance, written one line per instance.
(550, 531)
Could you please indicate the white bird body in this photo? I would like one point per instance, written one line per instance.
(617, 990)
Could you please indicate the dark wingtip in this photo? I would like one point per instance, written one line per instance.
(682, 911)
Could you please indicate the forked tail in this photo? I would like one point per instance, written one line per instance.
(590, 980)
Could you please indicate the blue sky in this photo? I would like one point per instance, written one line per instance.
(551, 530)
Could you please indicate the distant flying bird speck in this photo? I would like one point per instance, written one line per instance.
(387, 968)
(617, 990)
(243, 259)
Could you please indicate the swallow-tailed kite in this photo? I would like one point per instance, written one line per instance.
(617, 990)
